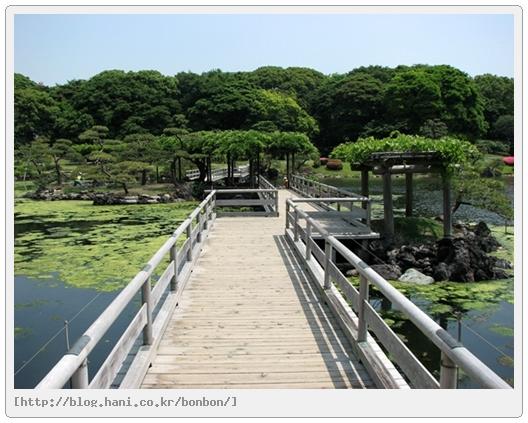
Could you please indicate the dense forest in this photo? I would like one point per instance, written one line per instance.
(432, 101)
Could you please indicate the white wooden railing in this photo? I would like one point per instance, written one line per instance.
(310, 188)
(333, 197)
(182, 257)
(340, 294)
(217, 174)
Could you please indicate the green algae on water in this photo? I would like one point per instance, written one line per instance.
(87, 246)
(502, 330)
(21, 332)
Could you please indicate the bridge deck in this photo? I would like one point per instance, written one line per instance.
(250, 318)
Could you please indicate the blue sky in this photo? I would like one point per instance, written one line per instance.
(56, 48)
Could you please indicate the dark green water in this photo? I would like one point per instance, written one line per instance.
(69, 254)
(485, 327)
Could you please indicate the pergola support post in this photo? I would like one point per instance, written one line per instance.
(447, 217)
(408, 194)
(388, 215)
(364, 186)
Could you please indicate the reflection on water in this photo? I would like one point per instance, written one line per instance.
(40, 311)
(66, 254)
(486, 333)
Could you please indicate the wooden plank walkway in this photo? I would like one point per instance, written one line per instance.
(250, 318)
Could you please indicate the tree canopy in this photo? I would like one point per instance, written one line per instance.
(329, 109)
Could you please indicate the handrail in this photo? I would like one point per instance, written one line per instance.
(217, 174)
(73, 365)
(264, 183)
(268, 199)
(453, 353)
(338, 196)
(303, 185)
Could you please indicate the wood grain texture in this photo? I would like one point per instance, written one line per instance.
(250, 318)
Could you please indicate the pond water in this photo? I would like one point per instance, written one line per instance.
(71, 254)
(480, 314)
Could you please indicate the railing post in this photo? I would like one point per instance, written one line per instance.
(174, 259)
(188, 231)
(363, 299)
(79, 379)
(146, 299)
(327, 259)
(448, 372)
(308, 240)
(276, 194)
(287, 214)
(199, 234)
(213, 205)
(296, 225)
(206, 215)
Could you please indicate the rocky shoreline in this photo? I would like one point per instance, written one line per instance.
(463, 258)
(184, 193)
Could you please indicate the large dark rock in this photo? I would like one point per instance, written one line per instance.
(502, 264)
(441, 272)
(484, 238)
(387, 271)
(463, 258)
(405, 257)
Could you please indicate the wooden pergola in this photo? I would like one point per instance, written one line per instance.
(387, 164)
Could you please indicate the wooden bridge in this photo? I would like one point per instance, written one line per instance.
(257, 301)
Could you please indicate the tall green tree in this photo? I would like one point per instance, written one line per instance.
(413, 97)
(125, 102)
(143, 148)
(297, 82)
(462, 105)
(497, 97)
(226, 106)
(504, 129)
(283, 111)
(36, 155)
(59, 151)
(346, 106)
(35, 115)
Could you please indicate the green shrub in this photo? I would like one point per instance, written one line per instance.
(198, 188)
(273, 173)
(493, 147)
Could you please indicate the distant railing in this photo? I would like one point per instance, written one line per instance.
(332, 197)
(74, 364)
(235, 202)
(217, 174)
(320, 263)
(310, 188)
(264, 183)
